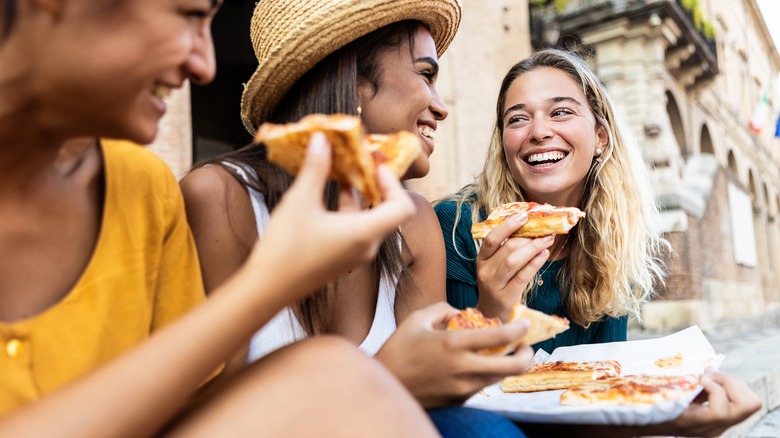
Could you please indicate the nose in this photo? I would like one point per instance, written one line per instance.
(438, 108)
(201, 65)
(540, 130)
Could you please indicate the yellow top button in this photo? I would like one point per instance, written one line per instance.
(14, 348)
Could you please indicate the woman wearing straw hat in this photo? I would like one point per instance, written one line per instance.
(96, 254)
(377, 59)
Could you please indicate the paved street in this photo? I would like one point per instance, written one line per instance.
(752, 350)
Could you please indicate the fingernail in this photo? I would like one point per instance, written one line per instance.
(520, 217)
(317, 144)
(548, 239)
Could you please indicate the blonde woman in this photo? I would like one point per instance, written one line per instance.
(557, 140)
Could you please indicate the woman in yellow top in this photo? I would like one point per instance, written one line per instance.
(95, 253)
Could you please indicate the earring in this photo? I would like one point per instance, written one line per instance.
(360, 110)
(599, 151)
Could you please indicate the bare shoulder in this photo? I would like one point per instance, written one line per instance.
(423, 228)
(220, 214)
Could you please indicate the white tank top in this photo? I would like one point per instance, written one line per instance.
(284, 328)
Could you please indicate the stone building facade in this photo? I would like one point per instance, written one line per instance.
(688, 99)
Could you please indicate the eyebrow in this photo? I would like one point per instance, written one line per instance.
(556, 99)
(430, 61)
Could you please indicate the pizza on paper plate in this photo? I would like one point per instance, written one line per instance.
(630, 390)
(542, 326)
(355, 156)
(545, 376)
(543, 219)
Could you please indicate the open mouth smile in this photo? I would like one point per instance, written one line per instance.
(545, 159)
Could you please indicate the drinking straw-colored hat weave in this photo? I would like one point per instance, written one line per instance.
(291, 36)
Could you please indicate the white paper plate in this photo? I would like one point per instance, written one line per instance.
(635, 357)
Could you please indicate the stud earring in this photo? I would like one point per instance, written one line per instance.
(599, 151)
(360, 110)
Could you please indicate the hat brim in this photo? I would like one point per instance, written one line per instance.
(300, 43)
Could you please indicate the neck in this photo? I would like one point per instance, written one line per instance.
(560, 249)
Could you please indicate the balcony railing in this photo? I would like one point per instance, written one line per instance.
(550, 27)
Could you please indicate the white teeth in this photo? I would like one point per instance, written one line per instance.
(547, 156)
(427, 132)
(161, 91)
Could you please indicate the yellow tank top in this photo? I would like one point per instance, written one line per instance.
(143, 274)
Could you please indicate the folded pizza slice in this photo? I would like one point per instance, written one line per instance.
(352, 162)
(630, 390)
(396, 151)
(542, 326)
(546, 376)
(543, 219)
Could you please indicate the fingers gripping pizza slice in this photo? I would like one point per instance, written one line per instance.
(355, 156)
(543, 219)
(542, 326)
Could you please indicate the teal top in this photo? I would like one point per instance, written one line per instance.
(462, 284)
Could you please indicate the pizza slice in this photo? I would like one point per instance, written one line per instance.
(543, 219)
(545, 376)
(352, 162)
(632, 390)
(396, 151)
(542, 326)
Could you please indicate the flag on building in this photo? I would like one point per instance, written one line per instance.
(760, 114)
(777, 127)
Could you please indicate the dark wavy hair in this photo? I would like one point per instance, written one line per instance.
(7, 18)
(330, 87)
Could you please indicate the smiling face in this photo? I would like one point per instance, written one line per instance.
(550, 136)
(406, 96)
(109, 65)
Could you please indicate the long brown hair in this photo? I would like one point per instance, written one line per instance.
(328, 88)
(7, 18)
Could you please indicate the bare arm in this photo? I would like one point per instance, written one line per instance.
(223, 224)
(220, 215)
(143, 389)
(427, 260)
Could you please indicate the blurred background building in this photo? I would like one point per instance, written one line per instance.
(697, 81)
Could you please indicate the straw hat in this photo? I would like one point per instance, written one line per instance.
(291, 36)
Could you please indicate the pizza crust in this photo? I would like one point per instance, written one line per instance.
(396, 151)
(542, 326)
(547, 376)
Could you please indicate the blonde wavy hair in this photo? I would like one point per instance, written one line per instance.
(617, 251)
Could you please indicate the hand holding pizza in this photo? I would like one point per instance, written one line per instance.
(729, 402)
(506, 264)
(308, 244)
(444, 368)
